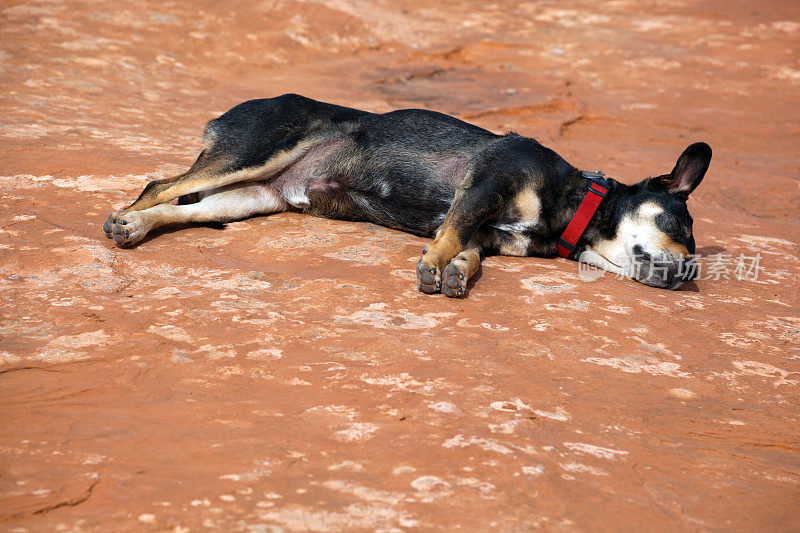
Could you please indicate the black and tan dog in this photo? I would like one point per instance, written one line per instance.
(429, 174)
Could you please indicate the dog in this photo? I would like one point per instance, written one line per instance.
(475, 192)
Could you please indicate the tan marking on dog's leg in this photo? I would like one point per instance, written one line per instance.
(220, 205)
(206, 178)
(437, 255)
(155, 184)
(443, 248)
(161, 191)
(211, 178)
(458, 272)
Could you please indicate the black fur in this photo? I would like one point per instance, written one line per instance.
(423, 156)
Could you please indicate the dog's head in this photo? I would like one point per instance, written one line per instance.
(648, 237)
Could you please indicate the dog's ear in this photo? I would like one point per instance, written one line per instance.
(688, 172)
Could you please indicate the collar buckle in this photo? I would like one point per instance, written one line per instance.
(598, 176)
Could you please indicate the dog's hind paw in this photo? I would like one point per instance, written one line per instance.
(429, 278)
(108, 225)
(126, 228)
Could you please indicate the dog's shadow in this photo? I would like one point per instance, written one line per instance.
(172, 228)
(688, 286)
(709, 250)
(691, 286)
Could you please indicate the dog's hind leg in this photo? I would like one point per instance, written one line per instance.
(209, 172)
(470, 208)
(214, 174)
(206, 163)
(224, 204)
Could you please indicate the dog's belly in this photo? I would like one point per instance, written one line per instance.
(352, 205)
(337, 178)
(399, 170)
(307, 173)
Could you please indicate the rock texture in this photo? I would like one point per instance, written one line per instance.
(283, 373)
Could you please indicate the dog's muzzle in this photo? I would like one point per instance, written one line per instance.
(664, 270)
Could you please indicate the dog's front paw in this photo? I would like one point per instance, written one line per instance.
(126, 228)
(455, 278)
(429, 278)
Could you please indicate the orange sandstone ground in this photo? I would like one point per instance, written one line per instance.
(283, 373)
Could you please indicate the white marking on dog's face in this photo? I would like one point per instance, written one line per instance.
(640, 249)
(638, 227)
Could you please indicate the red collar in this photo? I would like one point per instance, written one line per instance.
(594, 195)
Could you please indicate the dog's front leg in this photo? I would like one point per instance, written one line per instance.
(470, 208)
(458, 272)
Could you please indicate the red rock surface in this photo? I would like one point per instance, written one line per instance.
(285, 374)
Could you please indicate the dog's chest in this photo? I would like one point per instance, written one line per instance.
(521, 229)
(513, 238)
(522, 216)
